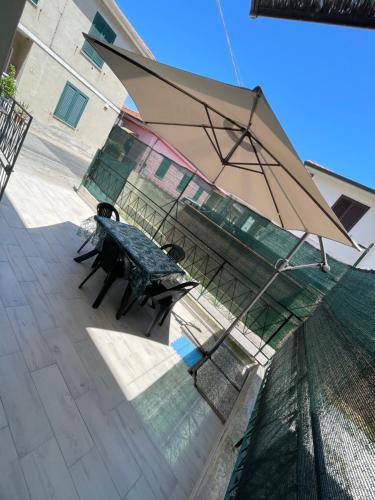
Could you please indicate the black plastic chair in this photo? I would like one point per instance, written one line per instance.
(114, 263)
(175, 252)
(164, 300)
(106, 210)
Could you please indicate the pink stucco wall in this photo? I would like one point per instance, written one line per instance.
(149, 138)
(149, 163)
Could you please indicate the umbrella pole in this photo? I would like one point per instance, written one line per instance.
(280, 266)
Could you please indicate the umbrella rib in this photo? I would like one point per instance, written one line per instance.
(211, 141)
(192, 125)
(267, 181)
(214, 134)
(254, 164)
(287, 197)
(305, 191)
(243, 168)
(111, 48)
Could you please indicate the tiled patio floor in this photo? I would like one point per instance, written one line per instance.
(89, 408)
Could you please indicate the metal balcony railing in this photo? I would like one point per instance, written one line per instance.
(15, 122)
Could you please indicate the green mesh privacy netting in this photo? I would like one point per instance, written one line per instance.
(313, 433)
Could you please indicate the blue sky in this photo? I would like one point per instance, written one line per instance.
(319, 79)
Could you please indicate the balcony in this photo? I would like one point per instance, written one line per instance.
(90, 407)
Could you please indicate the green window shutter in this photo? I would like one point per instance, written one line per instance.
(71, 105)
(163, 168)
(198, 192)
(183, 183)
(99, 29)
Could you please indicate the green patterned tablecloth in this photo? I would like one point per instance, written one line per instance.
(151, 263)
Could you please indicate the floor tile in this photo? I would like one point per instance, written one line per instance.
(25, 242)
(8, 341)
(10, 290)
(24, 410)
(112, 446)
(110, 394)
(19, 263)
(92, 479)
(12, 483)
(69, 428)
(67, 359)
(39, 304)
(3, 419)
(33, 345)
(46, 474)
(140, 491)
(153, 464)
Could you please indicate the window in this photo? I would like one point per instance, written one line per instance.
(71, 105)
(35, 2)
(198, 192)
(99, 29)
(163, 168)
(349, 211)
(183, 183)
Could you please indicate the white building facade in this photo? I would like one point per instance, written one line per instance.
(72, 94)
(354, 204)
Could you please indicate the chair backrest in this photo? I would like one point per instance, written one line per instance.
(110, 254)
(175, 252)
(175, 293)
(107, 210)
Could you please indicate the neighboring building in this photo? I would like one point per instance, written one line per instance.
(73, 96)
(354, 204)
(166, 167)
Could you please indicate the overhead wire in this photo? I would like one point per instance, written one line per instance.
(229, 44)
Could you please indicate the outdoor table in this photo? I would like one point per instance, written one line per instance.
(150, 262)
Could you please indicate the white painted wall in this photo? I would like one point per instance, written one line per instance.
(55, 27)
(363, 232)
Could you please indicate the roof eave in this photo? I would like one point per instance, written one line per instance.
(316, 166)
(130, 30)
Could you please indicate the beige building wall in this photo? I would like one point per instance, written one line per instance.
(51, 32)
(41, 86)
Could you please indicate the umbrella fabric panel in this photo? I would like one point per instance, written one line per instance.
(204, 119)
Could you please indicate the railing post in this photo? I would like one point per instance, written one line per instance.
(218, 270)
(172, 207)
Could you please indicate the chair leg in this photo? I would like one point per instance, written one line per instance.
(84, 243)
(96, 260)
(124, 307)
(86, 256)
(154, 321)
(165, 315)
(144, 301)
(111, 277)
(89, 276)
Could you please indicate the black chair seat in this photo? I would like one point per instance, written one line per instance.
(114, 263)
(163, 299)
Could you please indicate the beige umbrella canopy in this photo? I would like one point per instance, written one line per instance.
(231, 135)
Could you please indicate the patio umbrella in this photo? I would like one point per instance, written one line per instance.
(233, 137)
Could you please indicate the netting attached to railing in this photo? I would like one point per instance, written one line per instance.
(314, 432)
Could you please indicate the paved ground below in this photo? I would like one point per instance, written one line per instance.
(42, 153)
